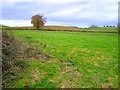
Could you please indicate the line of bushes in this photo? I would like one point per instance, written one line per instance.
(14, 56)
(14, 28)
(11, 61)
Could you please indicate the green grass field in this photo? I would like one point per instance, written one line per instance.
(80, 60)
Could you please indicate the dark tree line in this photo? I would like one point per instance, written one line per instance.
(109, 26)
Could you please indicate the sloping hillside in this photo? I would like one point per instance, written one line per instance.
(61, 28)
(48, 28)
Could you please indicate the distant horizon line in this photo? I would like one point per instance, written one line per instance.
(65, 26)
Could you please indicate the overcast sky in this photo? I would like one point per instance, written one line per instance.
(81, 13)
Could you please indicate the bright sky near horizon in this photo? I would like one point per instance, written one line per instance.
(81, 13)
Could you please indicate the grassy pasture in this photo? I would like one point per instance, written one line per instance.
(80, 59)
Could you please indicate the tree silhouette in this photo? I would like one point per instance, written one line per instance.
(38, 21)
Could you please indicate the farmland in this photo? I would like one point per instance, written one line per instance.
(66, 28)
(78, 60)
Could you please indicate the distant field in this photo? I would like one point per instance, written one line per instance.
(80, 59)
(61, 28)
(103, 29)
(67, 28)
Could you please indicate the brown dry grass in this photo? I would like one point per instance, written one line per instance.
(61, 28)
(49, 28)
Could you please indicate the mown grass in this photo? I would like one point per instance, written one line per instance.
(80, 60)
